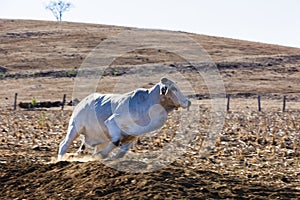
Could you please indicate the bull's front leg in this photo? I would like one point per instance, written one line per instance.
(123, 150)
(114, 133)
(82, 146)
(127, 141)
(105, 152)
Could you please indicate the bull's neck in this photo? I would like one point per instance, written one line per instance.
(161, 99)
(165, 103)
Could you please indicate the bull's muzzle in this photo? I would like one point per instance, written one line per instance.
(189, 104)
(186, 104)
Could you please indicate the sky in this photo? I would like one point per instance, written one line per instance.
(267, 21)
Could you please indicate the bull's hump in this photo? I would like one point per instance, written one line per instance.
(140, 95)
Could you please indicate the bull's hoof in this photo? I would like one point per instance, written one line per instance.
(117, 156)
(103, 156)
(109, 159)
(59, 158)
(79, 152)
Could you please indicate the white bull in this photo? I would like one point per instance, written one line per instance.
(111, 119)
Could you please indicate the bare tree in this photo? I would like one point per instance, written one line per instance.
(58, 7)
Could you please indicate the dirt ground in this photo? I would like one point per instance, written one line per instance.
(256, 154)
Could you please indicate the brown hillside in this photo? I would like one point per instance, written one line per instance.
(42, 45)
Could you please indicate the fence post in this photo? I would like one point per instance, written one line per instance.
(63, 102)
(15, 101)
(228, 101)
(259, 105)
(284, 103)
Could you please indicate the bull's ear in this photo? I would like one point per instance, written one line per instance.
(164, 80)
(164, 90)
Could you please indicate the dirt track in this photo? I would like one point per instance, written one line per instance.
(74, 180)
(257, 157)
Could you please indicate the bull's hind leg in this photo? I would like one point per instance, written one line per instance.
(64, 145)
(82, 146)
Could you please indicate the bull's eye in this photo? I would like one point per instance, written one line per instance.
(164, 90)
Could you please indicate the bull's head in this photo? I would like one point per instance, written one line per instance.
(171, 96)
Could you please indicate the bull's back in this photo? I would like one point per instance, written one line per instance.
(94, 103)
(89, 115)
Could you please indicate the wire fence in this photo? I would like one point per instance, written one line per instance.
(229, 102)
